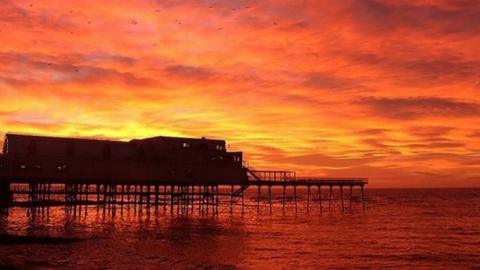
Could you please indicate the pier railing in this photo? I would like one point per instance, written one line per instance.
(333, 180)
(290, 176)
(276, 176)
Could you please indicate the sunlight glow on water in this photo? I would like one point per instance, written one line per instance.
(409, 229)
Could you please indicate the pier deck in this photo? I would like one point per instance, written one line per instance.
(188, 196)
(314, 181)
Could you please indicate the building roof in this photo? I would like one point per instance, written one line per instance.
(20, 144)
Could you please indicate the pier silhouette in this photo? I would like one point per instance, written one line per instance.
(182, 175)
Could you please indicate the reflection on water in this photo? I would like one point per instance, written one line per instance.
(421, 229)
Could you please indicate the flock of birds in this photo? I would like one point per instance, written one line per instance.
(135, 22)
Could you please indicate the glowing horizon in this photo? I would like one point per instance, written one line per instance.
(381, 89)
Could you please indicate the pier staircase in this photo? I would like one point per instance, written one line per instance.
(252, 175)
(269, 176)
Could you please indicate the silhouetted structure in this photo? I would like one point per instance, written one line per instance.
(151, 160)
(160, 170)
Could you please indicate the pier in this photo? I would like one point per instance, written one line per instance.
(189, 197)
(81, 172)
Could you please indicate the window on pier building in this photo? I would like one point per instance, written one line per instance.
(29, 167)
(219, 147)
(218, 157)
(37, 167)
(185, 145)
(62, 167)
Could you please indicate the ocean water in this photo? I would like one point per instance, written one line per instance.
(400, 229)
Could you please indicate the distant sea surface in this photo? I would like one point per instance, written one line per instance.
(401, 229)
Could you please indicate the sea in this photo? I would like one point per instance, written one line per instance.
(398, 229)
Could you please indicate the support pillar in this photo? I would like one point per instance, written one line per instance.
(270, 197)
(308, 198)
(6, 196)
(351, 197)
(341, 198)
(330, 191)
(320, 198)
(363, 198)
(258, 198)
(231, 198)
(295, 197)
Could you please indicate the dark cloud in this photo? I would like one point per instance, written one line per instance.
(416, 67)
(329, 82)
(417, 107)
(381, 16)
(434, 145)
(434, 175)
(23, 69)
(101, 57)
(465, 159)
(14, 14)
(188, 72)
(372, 131)
(430, 131)
(474, 134)
(439, 69)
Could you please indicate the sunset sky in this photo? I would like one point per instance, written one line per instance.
(382, 89)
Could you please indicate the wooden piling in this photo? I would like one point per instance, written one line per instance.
(363, 197)
(243, 203)
(258, 198)
(270, 197)
(164, 198)
(320, 198)
(351, 197)
(231, 198)
(330, 198)
(308, 198)
(295, 197)
(341, 198)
